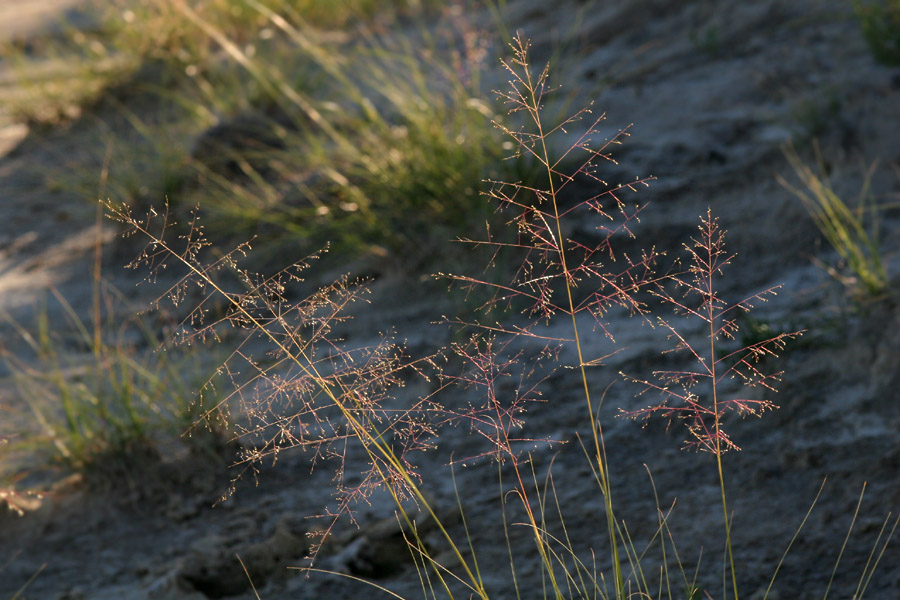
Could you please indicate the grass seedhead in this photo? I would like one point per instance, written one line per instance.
(297, 385)
(699, 299)
(558, 274)
(693, 395)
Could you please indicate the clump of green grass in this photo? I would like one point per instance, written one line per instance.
(377, 142)
(389, 155)
(880, 22)
(852, 232)
(159, 30)
(60, 75)
(58, 86)
(96, 395)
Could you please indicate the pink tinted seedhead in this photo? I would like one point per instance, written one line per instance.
(563, 241)
(551, 261)
(699, 298)
(297, 383)
(692, 394)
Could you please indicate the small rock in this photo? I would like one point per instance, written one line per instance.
(382, 548)
(218, 572)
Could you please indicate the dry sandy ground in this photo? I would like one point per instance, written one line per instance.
(714, 90)
(23, 18)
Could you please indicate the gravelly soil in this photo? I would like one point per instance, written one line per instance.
(714, 90)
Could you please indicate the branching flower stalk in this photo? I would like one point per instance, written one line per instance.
(296, 330)
(555, 267)
(678, 399)
(535, 90)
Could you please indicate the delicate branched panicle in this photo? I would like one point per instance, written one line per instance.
(550, 258)
(563, 243)
(500, 383)
(557, 269)
(158, 253)
(692, 394)
(295, 383)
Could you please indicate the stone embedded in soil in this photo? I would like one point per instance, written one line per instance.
(218, 572)
(382, 548)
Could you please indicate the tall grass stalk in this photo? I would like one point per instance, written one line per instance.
(704, 410)
(316, 369)
(553, 265)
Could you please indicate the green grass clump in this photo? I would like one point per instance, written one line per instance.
(66, 79)
(102, 392)
(853, 233)
(158, 29)
(377, 141)
(880, 22)
(388, 153)
(60, 75)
